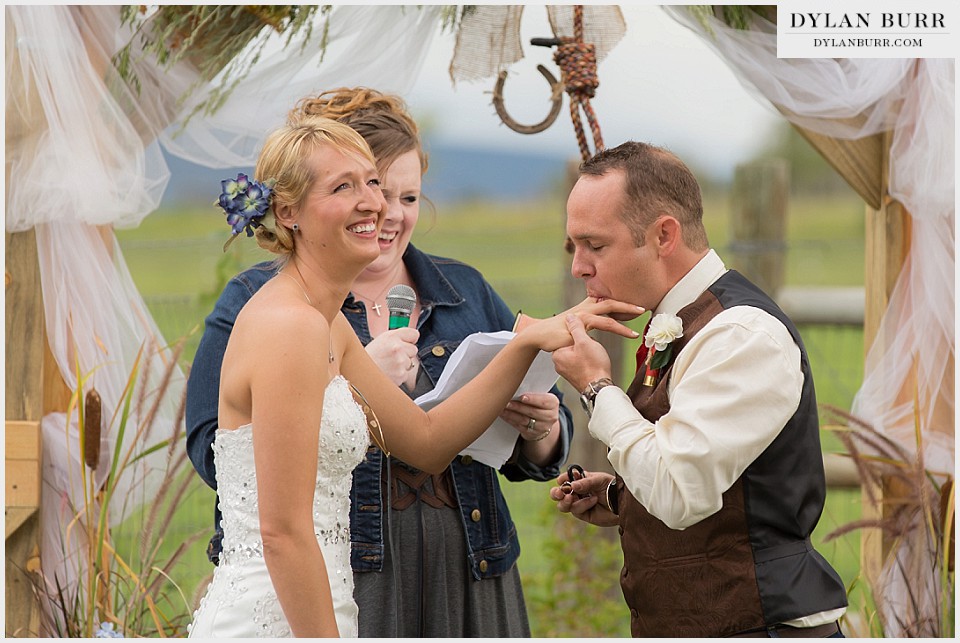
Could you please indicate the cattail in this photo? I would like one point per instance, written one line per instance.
(91, 427)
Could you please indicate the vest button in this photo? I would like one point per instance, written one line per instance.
(483, 566)
(475, 515)
(466, 459)
(438, 351)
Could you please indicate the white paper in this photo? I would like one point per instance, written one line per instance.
(496, 444)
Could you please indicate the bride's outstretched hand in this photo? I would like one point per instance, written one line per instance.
(552, 333)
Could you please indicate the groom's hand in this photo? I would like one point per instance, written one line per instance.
(585, 498)
(585, 361)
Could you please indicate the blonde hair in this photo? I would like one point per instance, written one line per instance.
(381, 119)
(284, 158)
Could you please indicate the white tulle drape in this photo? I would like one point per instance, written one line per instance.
(85, 157)
(911, 364)
(377, 46)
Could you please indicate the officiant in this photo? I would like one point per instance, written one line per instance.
(441, 562)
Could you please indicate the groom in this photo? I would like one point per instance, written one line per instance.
(716, 442)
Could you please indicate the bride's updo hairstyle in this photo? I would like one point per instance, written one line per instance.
(285, 159)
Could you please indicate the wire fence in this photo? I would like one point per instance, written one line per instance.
(835, 350)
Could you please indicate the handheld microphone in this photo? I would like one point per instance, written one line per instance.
(401, 300)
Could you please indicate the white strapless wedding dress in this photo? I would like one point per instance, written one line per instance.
(241, 601)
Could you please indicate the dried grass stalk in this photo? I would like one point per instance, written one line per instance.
(916, 586)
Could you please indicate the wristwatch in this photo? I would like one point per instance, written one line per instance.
(589, 395)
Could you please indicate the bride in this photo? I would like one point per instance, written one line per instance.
(283, 453)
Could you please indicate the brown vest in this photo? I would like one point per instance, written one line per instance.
(703, 580)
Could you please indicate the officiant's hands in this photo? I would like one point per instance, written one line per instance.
(533, 415)
(395, 352)
(585, 498)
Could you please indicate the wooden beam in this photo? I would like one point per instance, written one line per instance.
(24, 319)
(887, 243)
(841, 472)
(22, 464)
(21, 561)
(25, 343)
(858, 161)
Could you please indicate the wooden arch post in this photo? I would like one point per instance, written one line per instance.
(34, 386)
(864, 164)
(33, 383)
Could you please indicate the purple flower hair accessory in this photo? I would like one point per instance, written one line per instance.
(245, 203)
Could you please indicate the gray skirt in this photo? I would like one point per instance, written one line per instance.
(434, 594)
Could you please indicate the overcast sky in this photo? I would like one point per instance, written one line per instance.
(661, 84)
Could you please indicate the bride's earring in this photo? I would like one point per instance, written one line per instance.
(296, 228)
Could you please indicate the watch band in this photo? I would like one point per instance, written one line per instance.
(589, 395)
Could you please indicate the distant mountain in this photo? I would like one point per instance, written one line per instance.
(463, 173)
(456, 173)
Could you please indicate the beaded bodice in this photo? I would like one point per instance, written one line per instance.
(343, 442)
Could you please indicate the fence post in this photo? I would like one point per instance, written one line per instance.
(758, 217)
(25, 365)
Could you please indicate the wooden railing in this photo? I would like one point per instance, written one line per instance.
(22, 525)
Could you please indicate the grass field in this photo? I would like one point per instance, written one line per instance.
(176, 260)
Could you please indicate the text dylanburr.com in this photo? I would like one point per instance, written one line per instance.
(867, 29)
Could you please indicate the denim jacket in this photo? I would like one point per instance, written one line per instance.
(455, 301)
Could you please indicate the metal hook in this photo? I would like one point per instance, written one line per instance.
(556, 97)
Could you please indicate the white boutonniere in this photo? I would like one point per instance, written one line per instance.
(663, 330)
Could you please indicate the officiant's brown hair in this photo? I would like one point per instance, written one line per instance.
(381, 119)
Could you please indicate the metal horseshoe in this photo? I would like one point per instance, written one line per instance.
(556, 98)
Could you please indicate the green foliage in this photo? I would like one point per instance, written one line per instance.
(576, 591)
(229, 264)
(452, 15)
(214, 39)
(736, 16)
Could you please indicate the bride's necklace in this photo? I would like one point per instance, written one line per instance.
(307, 297)
(373, 300)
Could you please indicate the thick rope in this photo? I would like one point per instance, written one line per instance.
(578, 67)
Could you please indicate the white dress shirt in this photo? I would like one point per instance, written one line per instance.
(731, 390)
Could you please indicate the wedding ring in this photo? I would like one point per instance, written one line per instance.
(412, 366)
(530, 424)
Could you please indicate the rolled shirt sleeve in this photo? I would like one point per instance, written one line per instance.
(731, 391)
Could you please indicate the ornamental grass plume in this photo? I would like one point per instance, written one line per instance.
(914, 588)
(116, 580)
